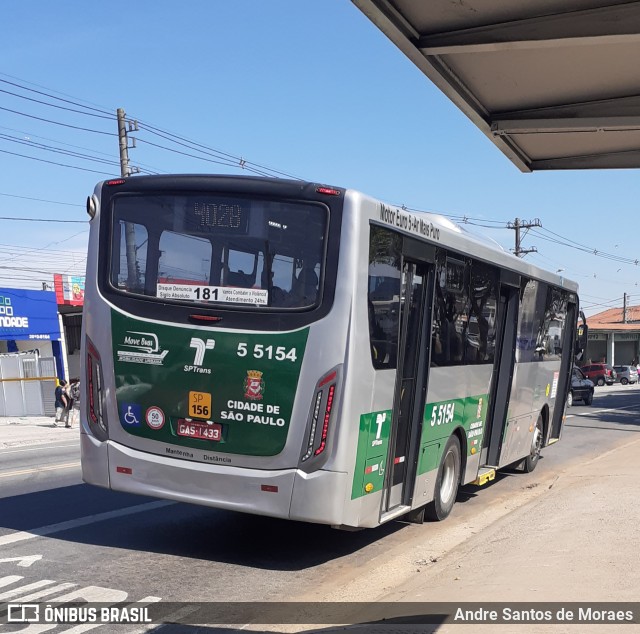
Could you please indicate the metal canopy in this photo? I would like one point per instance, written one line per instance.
(555, 84)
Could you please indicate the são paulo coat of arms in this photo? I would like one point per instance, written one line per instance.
(253, 385)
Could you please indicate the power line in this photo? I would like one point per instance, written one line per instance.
(49, 148)
(201, 158)
(30, 135)
(42, 200)
(223, 158)
(194, 145)
(42, 220)
(463, 219)
(65, 125)
(39, 249)
(75, 103)
(33, 158)
(53, 105)
(585, 249)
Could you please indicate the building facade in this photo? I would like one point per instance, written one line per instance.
(614, 336)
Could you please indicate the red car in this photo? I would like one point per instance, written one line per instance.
(599, 373)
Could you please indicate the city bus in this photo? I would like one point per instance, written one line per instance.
(301, 351)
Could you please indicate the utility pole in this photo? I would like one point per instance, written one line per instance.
(125, 171)
(624, 309)
(517, 226)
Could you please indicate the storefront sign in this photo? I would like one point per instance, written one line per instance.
(69, 289)
(626, 336)
(28, 315)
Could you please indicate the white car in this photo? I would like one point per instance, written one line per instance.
(626, 374)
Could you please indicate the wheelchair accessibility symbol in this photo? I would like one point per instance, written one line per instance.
(130, 414)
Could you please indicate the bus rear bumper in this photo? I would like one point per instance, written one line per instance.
(94, 460)
(257, 491)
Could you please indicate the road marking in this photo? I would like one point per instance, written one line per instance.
(3, 452)
(89, 594)
(7, 581)
(36, 585)
(25, 561)
(20, 536)
(35, 596)
(53, 467)
(604, 411)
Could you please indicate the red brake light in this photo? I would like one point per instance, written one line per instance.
(325, 424)
(328, 378)
(116, 181)
(329, 191)
(321, 409)
(205, 317)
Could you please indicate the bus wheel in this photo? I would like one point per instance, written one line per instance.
(530, 462)
(447, 482)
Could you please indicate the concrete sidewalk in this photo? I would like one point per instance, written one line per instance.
(568, 537)
(17, 431)
(575, 542)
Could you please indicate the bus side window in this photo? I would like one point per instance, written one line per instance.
(383, 298)
(481, 331)
(451, 312)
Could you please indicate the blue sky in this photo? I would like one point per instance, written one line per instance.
(310, 88)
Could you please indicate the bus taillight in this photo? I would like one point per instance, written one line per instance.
(325, 424)
(96, 416)
(323, 404)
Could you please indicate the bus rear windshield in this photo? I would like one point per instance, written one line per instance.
(212, 249)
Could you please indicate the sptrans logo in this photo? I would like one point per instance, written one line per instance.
(7, 318)
(200, 346)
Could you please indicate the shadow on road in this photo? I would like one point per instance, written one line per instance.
(185, 530)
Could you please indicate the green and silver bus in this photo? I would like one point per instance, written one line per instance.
(300, 351)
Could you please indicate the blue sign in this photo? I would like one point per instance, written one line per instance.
(28, 314)
(130, 415)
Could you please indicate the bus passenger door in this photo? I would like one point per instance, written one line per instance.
(502, 379)
(411, 379)
(568, 336)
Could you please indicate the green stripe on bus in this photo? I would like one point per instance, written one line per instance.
(440, 420)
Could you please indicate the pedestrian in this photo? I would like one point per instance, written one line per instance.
(74, 393)
(62, 403)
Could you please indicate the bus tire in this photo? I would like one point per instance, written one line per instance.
(447, 482)
(531, 461)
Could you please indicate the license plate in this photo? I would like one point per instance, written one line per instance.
(204, 431)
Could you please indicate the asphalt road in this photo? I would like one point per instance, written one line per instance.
(59, 536)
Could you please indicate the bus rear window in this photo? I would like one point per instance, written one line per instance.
(203, 248)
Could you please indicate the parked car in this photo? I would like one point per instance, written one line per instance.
(599, 373)
(581, 388)
(626, 374)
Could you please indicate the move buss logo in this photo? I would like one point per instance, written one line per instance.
(144, 348)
